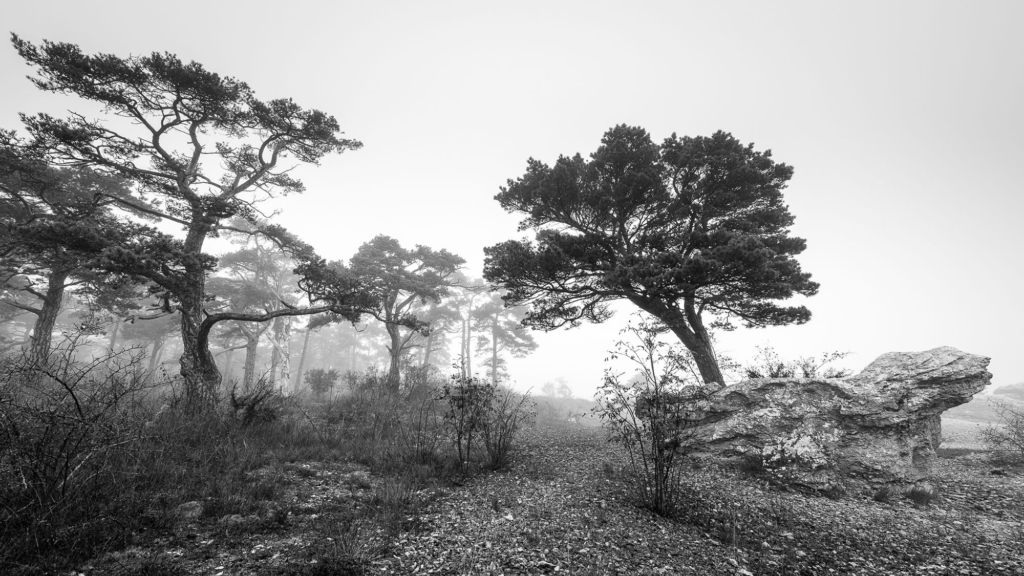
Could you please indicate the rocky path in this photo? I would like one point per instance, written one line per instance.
(558, 513)
(562, 509)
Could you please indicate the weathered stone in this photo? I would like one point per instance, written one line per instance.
(882, 425)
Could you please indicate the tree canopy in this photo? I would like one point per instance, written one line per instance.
(197, 149)
(399, 277)
(693, 228)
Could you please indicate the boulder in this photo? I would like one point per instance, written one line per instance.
(880, 426)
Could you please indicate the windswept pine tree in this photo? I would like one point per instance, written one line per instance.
(691, 229)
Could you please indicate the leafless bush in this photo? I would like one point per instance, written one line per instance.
(653, 415)
(511, 411)
(1007, 438)
(68, 432)
(768, 364)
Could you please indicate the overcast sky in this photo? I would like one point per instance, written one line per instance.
(903, 121)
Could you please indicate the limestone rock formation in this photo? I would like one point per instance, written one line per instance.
(882, 425)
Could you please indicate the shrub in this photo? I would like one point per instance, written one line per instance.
(768, 364)
(510, 412)
(477, 409)
(922, 494)
(1006, 439)
(256, 404)
(68, 433)
(469, 403)
(321, 381)
(653, 415)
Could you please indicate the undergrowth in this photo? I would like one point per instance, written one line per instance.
(93, 455)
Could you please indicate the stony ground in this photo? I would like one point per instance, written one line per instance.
(564, 509)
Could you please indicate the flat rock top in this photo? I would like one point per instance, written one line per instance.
(942, 364)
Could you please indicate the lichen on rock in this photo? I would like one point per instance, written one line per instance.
(881, 425)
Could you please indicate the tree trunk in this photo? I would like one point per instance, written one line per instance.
(494, 350)
(395, 350)
(280, 340)
(114, 329)
(429, 348)
(302, 360)
(227, 364)
(198, 367)
(467, 343)
(249, 368)
(691, 332)
(46, 318)
(158, 345)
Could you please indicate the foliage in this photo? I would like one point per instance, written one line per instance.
(321, 381)
(653, 415)
(257, 403)
(693, 227)
(52, 229)
(468, 407)
(481, 410)
(169, 118)
(398, 277)
(767, 364)
(500, 332)
(1007, 437)
(922, 495)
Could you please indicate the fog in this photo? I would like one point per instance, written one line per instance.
(902, 121)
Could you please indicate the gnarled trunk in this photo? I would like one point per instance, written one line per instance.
(198, 367)
(690, 330)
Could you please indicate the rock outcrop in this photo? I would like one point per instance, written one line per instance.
(882, 425)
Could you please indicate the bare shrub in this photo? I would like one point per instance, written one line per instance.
(476, 409)
(68, 432)
(652, 416)
(1007, 438)
(510, 413)
(768, 364)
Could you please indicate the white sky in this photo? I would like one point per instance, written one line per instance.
(903, 122)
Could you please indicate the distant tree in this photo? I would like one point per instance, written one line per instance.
(52, 231)
(563, 390)
(153, 333)
(203, 148)
(558, 387)
(439, 319)
(693, 228)
(469, 295)
(500, 332)
(314, 323)
(399, 277)
(259, 279)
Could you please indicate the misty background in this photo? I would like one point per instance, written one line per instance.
(902, 121)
